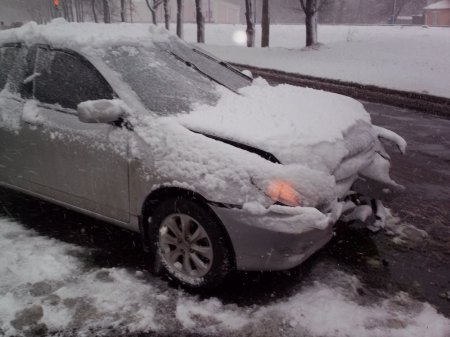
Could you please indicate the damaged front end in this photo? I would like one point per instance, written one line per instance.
(373, 186)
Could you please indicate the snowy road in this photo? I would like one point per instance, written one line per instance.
(66, 273)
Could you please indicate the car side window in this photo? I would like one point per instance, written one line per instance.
(67, 79)
(8, 57)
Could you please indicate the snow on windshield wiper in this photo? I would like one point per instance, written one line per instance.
(192, 65)
(222, 63)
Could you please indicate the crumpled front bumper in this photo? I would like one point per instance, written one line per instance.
(376, 189)
(274, 241)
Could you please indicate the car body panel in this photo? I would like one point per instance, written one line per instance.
(260, 247)
(88, 170)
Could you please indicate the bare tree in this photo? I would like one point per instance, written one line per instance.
(265, 24)
(79, 10)
(67, 12)
(200, 21)
(180, 11)
(94, 13)
(78, 13)
(311, 10)
(166, 14)
(153, 6)
(397, 8)
(39, 10)
(131, 7)
(106, 12)
(123, 10)
(250, 23)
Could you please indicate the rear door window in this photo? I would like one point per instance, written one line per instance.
(67, 79)
(8, 57)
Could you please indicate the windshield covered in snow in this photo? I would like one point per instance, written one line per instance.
(171, 78)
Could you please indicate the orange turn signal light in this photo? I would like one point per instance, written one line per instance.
(282, 192)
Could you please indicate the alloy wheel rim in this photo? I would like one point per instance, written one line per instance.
(185, 246)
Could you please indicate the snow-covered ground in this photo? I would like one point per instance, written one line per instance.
(46, 286)
(405, 58)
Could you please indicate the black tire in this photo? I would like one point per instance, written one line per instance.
(220, 264)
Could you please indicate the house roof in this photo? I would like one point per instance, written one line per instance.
(445, 4)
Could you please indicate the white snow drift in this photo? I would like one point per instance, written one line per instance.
(43, 284)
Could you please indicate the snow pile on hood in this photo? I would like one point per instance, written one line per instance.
(77, 36)
(285, 113)
(287, 121)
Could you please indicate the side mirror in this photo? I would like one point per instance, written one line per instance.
(101, 111)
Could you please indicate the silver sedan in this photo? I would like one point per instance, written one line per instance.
(116, 131)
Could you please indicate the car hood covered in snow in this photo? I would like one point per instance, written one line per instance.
(296, 125)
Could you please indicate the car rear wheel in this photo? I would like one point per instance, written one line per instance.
(190, 243)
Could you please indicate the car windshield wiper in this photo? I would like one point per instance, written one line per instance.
(192, 65)
(222, 63)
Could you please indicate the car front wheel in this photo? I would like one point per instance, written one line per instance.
(190, 243)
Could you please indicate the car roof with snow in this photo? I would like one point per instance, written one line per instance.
(82, 36)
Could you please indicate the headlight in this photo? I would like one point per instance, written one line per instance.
(280, 191)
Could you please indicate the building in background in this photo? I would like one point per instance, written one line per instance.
(437, 14)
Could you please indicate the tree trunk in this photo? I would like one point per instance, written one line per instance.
(106, 12)
(166, 14)
(180, 10)
(82, 11)
(152, 8)
(250, 23)
(265, 24)
(311, 10)
(93, 11)
(401, 4)
(77, 14)
(360, 11)
(200, 21)
(340, 16)
(131, 11)
(311, 29)
(122, 10)
(72, 16)
(67, 10)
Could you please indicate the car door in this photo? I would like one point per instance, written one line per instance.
(82, 165)
(16, 149)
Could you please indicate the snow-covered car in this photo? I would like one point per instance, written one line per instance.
(131, 125)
